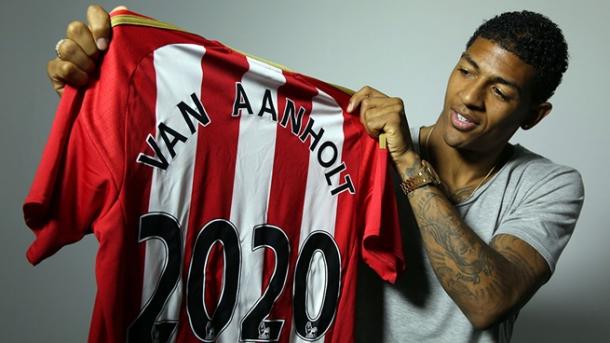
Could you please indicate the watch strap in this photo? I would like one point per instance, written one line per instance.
(424, 176)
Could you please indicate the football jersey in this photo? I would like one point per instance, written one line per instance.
(232, 199)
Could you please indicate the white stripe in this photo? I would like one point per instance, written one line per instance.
(178, 75)
(320, 207)
(253, 169)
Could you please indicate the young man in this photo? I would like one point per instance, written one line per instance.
(492, 218)
(486, 220)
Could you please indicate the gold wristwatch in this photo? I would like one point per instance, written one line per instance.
(424, 176)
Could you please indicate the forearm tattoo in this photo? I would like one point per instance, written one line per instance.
(464, 264)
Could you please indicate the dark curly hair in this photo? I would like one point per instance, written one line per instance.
(536, 40)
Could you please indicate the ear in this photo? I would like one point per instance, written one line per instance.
(538, 113)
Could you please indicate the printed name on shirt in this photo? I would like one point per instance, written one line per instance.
(326, 151)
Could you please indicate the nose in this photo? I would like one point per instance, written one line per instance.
(472, 95)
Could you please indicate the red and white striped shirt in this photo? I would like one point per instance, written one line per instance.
(231, 199)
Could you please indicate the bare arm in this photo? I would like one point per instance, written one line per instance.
(486, 281)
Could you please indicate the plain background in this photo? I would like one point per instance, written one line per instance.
(405, 49)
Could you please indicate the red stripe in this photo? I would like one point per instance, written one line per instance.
(287, 191)
(347, 232)
(140, 121)
(214, 168)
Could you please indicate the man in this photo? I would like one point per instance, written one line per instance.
(495, 219)
(486, 220)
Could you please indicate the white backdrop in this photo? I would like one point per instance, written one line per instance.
(404, 48)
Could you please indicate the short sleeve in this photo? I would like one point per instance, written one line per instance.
(71, 186)
(546, 215)
(382, 243)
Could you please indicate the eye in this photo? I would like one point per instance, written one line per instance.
(499, 94)
(464, 71)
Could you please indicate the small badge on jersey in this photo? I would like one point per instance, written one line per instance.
(310, 330)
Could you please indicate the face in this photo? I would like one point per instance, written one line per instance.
(488, 97)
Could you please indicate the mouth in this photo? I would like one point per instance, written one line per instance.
(462, 122)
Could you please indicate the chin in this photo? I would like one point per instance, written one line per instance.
(455, 138)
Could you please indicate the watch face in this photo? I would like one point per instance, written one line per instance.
(426, 175)
(431, 172)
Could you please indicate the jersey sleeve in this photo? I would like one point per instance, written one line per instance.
(382, 243)
(546, 215)
(72, 185)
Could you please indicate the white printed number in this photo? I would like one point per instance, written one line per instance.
(256, 325)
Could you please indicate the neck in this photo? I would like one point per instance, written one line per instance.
(460, 170)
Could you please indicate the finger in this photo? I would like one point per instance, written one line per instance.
(363, 93)
(64, 72)
(394, 122)
(81, 35)
(69, 51)
(396, 131)
(369, 103)
(58, 85)
(370, 91)
(357, 98)
(366, 112)
(391, 115)
(384, 101)
(373, 92)
(366, 106)
(99, 24)
(373, 119)
(387, 116)
(394, 105)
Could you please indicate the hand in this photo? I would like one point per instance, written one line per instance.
(382, 114)
(80, 51)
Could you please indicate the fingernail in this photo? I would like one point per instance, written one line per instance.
(350, 107)
(102, 43)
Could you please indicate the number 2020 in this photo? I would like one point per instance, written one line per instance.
(255, 326)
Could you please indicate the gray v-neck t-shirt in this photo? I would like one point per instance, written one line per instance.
(530, 197)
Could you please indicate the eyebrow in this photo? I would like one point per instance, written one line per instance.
(495, 79)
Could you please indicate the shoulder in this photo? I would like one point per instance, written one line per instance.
(535, 173)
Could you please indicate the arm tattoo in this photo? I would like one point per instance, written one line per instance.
(476, 275)
(528, 265)
(462, 264)
(412, 170)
